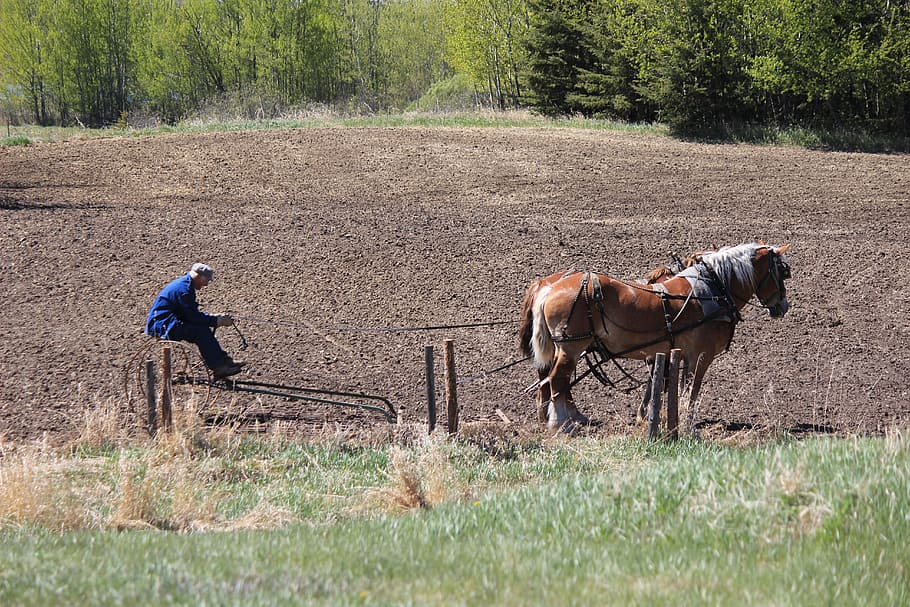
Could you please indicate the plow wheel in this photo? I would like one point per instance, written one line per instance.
(191, 380)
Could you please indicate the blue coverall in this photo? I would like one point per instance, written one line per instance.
(175, 315)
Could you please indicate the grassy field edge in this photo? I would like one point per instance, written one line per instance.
(841, 139)
(437, 522)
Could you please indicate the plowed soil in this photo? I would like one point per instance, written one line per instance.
(326, 242)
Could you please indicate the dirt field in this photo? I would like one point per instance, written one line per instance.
(320, 238)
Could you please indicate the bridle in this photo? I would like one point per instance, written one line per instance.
(778, 272)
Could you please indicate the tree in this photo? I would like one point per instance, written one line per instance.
(697, 76)
(486, 41)
(616, 38)
(558, 56)
(23, 52)
(834, 61)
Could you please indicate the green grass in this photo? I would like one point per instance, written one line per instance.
(512, 119)
(839, 139)
(13, 141)
(579, 522)
(824, 139)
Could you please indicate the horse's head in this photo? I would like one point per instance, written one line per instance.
(771, 290)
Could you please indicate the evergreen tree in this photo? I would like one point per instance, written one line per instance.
(558, 57)
(613, 37)
(698, 75)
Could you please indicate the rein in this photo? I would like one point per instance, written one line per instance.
(606, 355)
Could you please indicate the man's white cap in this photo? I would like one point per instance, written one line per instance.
(200, 269)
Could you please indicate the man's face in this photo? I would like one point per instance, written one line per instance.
(200, 281)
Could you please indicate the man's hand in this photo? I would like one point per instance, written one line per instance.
(225, 320)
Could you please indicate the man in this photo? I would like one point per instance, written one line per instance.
(175, 315)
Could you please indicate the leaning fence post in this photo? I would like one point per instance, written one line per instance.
(657, 388)
(166, 389)
(451, 381)
(431, 388)
(150, 400)
(673, 394)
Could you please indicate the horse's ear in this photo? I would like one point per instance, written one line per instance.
(762, 242)
(782, 249)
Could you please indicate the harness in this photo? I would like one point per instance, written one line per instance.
(596, 297)
(705, 287)
(717, 302)
(724, 310)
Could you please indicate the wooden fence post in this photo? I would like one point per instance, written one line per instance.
(451, 395)
(657, 388)
(431, 388)
(673, 394)
(166, 389)
(150, 399)
(645, 398)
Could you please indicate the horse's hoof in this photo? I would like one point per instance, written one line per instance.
(581, 419)
(570, 427)
(555, 428)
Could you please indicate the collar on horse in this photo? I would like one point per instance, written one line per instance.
(709, 290)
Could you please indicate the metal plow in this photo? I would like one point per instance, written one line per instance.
(356, 400)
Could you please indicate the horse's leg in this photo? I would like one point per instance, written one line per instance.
(698, 374)
(543, 394)
(573, 412)
(560, 374)
(571, 409)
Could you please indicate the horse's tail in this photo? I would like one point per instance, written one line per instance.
(533, 333)
(526, 325)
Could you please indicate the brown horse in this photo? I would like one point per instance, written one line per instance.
(657, 275)
(565, 315)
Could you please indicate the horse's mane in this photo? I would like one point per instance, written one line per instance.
(734, 263)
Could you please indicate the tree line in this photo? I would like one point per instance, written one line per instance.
(697, 63)
(93, 60)
(687, 63)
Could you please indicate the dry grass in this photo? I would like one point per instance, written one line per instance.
(263, 516)
(36, 487)
(160, 483)
(420, 478)
(102, 427)
(171, 482)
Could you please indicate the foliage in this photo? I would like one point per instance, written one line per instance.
(486, 41)
(698, 64)
(558, 58)
(456, 93)
(90, 61)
